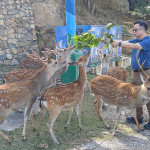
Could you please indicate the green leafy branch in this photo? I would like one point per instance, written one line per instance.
(88, 40)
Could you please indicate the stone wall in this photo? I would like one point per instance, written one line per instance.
(17, 30)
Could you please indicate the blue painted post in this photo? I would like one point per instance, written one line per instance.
(70, 17)
(72, 73)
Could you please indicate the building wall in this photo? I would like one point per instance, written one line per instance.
(17, 30)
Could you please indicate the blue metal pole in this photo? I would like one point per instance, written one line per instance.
(70, 17)
(72, 73)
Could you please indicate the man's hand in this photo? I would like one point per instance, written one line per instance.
(115, 43)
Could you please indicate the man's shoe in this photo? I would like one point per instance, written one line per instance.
(147, 126)
(132, 120)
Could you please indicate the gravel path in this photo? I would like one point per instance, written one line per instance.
(138, 141)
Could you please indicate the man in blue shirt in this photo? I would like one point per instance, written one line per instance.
(142, 41)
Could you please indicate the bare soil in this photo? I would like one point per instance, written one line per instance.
(135, 141)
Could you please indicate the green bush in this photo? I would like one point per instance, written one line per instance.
(140, 6)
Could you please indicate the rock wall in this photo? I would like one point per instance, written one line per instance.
(17, 30)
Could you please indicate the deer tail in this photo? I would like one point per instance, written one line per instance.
(42, 98)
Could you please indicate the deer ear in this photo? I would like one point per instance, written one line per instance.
(143, 79)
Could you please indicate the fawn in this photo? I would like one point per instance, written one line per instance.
(116, 72)
(64, 96)
(114, 92)
(14, 96)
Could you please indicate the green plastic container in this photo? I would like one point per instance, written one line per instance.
(72, 73)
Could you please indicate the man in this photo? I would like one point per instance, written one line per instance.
(142, 41)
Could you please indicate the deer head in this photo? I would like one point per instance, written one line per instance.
(104, 58)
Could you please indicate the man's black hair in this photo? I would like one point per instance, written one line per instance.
(142, 23)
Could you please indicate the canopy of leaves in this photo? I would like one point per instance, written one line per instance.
(139, 6)
(88, 40)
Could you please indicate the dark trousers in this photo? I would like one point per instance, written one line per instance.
(136, 80)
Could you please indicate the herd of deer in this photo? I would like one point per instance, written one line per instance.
(37, 80)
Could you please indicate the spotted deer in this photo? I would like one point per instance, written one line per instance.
(22, 74)
(30, 63)
(114, 92)
(64, 96)
(116, 72)
(14, 96)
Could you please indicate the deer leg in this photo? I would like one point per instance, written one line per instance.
(42, 113)
(133, 111)
(99, 110)
(70, 114)
(78, 111)
(50, 125)
(117, 119)
(33, 120)
(96, 105)
(4, 136)
(3, 115)
(26, 117)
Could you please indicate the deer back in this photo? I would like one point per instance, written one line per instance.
(119, 73)
(17, 75)
(30, 63)
(113, 91)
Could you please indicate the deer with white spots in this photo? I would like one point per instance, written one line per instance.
(64, 96)
(23, 74)
(116, 72)
(114, 92)
(14, 96)
(31, 65)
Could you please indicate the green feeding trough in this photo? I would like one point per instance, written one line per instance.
(72, 73)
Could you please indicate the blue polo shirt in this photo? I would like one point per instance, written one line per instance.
(143, 55)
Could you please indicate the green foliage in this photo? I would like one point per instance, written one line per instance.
(85, 40)
(39, 36)
(88, 40)
(140, 6)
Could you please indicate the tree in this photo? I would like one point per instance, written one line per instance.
(139, 6)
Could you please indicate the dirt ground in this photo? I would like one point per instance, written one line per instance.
(138, 141)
